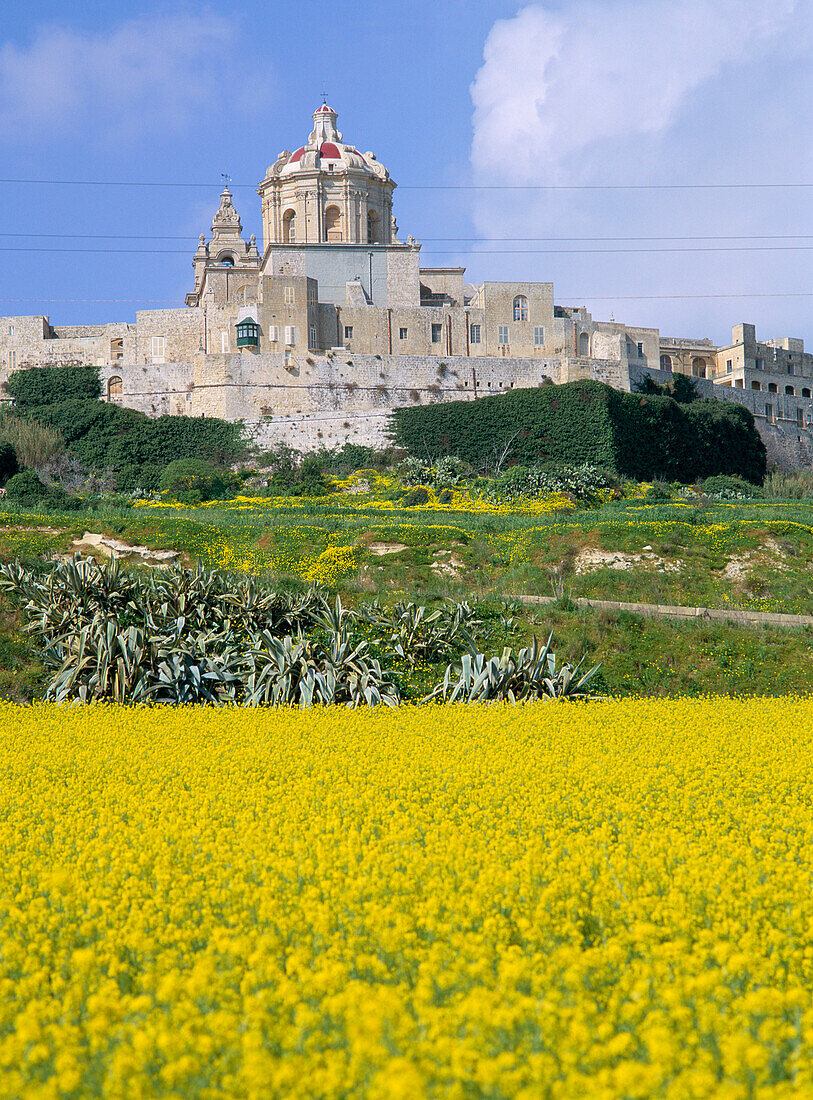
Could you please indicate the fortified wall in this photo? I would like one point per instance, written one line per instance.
(326, 400)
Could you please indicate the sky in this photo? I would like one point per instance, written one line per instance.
(651, 158)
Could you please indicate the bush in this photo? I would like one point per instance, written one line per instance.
(418, 495)
(192, 476)
(38, 386)
(634, 435)
(306, 480)
(26, 488)
(583, 482)
(728, 487)
(9, 466)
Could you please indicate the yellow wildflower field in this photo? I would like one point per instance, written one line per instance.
(605, 900)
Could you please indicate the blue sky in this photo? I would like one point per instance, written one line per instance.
(503, 123)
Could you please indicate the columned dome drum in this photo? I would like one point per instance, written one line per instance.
(327, 192)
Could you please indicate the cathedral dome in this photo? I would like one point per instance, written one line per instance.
(326, 152)
(327, 192)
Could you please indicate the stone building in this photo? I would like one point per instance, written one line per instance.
(316, 338)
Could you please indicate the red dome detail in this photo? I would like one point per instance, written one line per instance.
(328, 149)
(324, 107)
(297, 155)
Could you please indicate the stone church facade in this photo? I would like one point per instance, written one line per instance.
(313, 340)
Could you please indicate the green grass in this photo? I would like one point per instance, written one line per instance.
(499, 554)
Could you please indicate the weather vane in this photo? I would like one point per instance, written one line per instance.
(226, 178)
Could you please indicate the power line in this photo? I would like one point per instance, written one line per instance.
(446, 251)
(560, 298)
(433, 240)
(439, 186)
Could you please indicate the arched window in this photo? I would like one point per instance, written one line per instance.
(699, 367)
(333, 223)
(113, 387)
(289, 226)
(227, 260)
(805, 392)
(584, 344)
(789, 391)
(520, 308)
(372, 227)
(666, 362)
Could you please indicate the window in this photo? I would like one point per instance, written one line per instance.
(289, 226)
(437, 333)
(666, 362)
(773, 388)
(640, 350)
(800, 418)
(729, 364)
(348, 332)
(312, 295)
(113, 387)
(502, 335)
(539, 336)
(333, 223)
(755, 385)
(312, 336)
(699, 367)
(273, 333)
(11, 330)
(227, 260)
(805, 392)
(474, 334)
(289, 295)
(790, 368)
(769, 412)
(12, 360)
(789, 391)
(520, 308)
(372, 227)
(157, 349)
(584, 344)
(290, 335)
(224, 342)
(757, 364)
(402, 334)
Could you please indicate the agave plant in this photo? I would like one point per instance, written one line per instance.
(531, 674)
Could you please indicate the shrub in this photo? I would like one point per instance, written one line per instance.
(730, 487)
(37, 386)
(584, 482)
(306, 480)
(588, 422)
(418, 495)
(9, 465)
(193, 478)
(26, 488)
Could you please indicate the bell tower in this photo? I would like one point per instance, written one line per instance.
(226, 264)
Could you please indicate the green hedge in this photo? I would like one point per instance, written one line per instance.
(36, 386)
(636, 435)
(105, 436)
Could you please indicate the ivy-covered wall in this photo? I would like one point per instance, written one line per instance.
(637, 436)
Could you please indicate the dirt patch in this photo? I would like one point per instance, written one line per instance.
(113, 548)
(382, 548)
(770, 554)
(590, 559)
(443, 568)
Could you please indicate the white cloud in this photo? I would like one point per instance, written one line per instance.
(595, 92)
(146, 77)
(553, 82)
